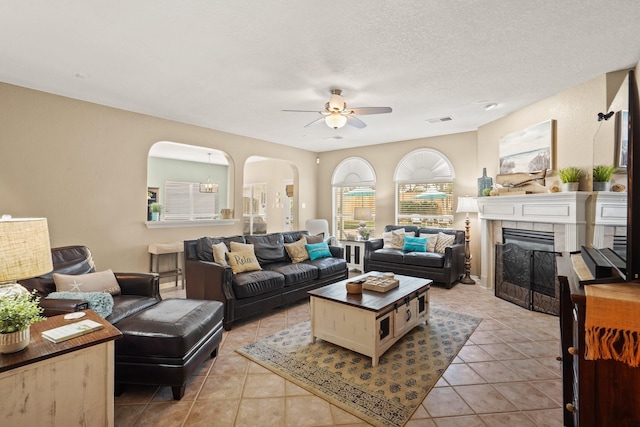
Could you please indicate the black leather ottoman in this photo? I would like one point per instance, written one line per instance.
(165, 344)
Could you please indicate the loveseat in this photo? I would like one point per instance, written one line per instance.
(278, 281)
(445, 268)
(163, 341)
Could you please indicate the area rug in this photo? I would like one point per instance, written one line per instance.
(385, 395)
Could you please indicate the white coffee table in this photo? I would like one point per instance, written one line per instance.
(371, 322)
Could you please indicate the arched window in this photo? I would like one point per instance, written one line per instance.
(354, 198)
(424, 189)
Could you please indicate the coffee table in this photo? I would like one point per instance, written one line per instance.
(371, 322)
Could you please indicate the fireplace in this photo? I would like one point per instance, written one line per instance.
(526, 270)
(557, 217)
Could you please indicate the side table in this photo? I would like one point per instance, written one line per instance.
(354, 254)
(156, 250)
(60, 384)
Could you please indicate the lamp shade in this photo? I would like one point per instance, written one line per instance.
(467, 205)
(25, 250)
(362, 213)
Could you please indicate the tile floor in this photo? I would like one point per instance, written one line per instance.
(506, 375)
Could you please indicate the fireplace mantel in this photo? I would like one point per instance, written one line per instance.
(562, 213)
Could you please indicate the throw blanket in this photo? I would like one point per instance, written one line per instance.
(100, 302)
(612, 324)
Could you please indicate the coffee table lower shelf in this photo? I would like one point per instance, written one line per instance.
(369, 324)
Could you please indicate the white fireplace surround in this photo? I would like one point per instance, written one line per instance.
(564, 214)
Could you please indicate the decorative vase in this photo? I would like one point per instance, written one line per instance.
(601, 186)
(570, 186)
(484, 182)
(155, 216)
(14, 341)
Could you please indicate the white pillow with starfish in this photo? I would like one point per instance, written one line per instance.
(101, 281)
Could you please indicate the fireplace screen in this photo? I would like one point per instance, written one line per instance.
(528, 278)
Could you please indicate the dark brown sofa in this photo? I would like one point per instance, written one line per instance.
(278, 283)
(163, 341)
(446, 268)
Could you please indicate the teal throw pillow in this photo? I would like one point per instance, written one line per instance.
(100, 302)
(318, 250)
(415, 244)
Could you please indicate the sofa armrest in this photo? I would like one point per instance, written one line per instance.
(372, 245)
(336, 251)
(208, 280)
(455, 257)
(54, 307)
(142, 284)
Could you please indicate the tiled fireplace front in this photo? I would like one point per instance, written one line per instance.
(563, 214)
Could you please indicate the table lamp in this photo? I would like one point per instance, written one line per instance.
(25, 252)
(467, 205)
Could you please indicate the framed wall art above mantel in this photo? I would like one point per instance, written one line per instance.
(528, 150)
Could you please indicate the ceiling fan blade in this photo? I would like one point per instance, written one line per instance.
(303, 111)
(370, 110)
(315, 122)
(355, 122)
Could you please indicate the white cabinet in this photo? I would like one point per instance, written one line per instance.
(366, 331)
(354, 254)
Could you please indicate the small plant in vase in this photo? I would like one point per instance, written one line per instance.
(570, 177)
(602, 176)
(17, 313)
(156, 208)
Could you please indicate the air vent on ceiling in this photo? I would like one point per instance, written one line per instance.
(333, 137)
(440, 119)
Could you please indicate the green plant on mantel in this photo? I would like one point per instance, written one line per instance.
(570, 174)
(603, 173)
(18, 312)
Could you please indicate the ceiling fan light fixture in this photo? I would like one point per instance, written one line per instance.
(335, 120)
(336, 101)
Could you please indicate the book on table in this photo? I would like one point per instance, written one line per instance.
(72, 330)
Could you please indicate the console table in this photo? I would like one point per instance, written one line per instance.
(64, 384)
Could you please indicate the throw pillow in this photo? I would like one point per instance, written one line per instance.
(415, 244)
(318, 250)
(239, 247)
(393, 239)
(431, 241)
(102, 281)
(220, 252)
(318, 238)
(100, 302)
(242, 261)
(297, 250)
(444, 240)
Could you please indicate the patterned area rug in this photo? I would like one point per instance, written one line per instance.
(385, 395)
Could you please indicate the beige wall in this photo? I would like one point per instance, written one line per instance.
(574, 110)
(83, 166)
(460, 149)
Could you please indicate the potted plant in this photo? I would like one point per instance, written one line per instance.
(602, 176)
(17, 313)
(570, 177)
(155, 211)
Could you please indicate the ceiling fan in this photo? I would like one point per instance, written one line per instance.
(336, 114)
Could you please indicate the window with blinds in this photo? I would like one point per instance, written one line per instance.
(425, 204)
(347, 199)
(184, 201)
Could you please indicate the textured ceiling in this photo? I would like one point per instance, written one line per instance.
(234, 65)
